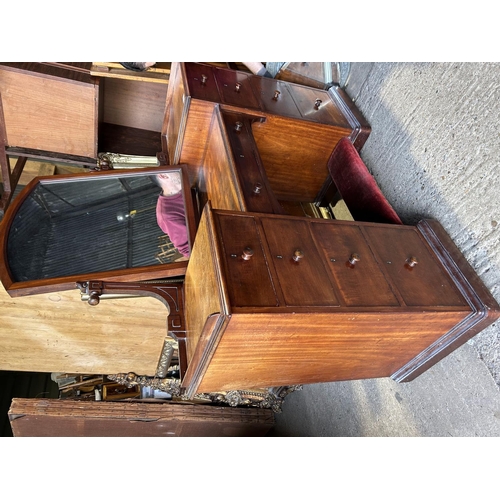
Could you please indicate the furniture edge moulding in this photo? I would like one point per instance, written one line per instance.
(216, 320)
(484, 308)
(361, 127)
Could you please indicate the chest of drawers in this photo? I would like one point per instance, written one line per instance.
(275, 300)
(298, 127)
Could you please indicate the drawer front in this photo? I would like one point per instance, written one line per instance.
(248, 280)
(201, 82)
(302, 275)
(274, 97)
(316, 105)
(356, 272)
(258, 194)
(235, 88)
(217, 180)
(418, 276)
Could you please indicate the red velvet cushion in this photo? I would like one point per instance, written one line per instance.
(357, 186)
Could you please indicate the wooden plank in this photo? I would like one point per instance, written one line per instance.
(157, 74)
(65, 334)
(45, 417)
(49, 114)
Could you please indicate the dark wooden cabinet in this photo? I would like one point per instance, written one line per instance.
(275, 300)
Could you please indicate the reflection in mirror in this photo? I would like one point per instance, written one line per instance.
(92, 224)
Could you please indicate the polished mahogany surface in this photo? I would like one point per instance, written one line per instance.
(294, 307)
(298, 129)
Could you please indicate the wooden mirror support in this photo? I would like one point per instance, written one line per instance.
(171, 294)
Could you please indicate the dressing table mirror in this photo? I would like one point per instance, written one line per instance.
(92, 226)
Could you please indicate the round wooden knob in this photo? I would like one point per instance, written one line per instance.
(412, 261)
(247, 253)
(354, 258)
(94, 299)
(298, 255)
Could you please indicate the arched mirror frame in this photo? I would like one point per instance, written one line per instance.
(22, 288)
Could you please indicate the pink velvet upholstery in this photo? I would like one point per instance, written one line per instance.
(357, 187)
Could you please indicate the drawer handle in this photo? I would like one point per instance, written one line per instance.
(238, 87)
(412, 261)
(354, 258)
(247, 253)
(276, 95)
(238, 126)
(257, 188)
(298, 255)
(204, 79)
(317, 103)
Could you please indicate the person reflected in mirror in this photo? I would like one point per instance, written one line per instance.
(170, 212)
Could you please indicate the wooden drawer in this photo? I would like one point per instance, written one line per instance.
(251, 174)
(274, 97)
(201, 82)
(425, 283)
(246, 268)
(361, 282)
(299, 266)
(316, 105)
(235, 88)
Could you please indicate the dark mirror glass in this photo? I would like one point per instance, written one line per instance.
(92, 224)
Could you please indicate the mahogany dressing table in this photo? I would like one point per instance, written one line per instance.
(270, 299)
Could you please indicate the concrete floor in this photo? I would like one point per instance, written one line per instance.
(434, 150)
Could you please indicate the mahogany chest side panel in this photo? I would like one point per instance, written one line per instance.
(204, 288)
(295, 154)
(265, 350)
